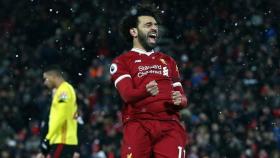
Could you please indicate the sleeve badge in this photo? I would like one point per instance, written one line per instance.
(113, 68)
(63, 97)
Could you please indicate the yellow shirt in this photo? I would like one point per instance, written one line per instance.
(62, 118)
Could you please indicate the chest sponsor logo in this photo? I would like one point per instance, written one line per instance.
(152, 69)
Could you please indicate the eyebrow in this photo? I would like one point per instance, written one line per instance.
(149, 23)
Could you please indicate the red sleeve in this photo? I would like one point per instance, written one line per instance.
(122, 80)
(177, 86)
(128, 93)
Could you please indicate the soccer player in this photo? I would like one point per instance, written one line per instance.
(149, 85)
(61, 139)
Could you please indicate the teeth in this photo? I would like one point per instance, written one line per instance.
(153, 35)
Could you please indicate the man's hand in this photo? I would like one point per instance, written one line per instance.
(152, 88)
(176, 98)
(45, 146)
(40, 155)
(76, 155)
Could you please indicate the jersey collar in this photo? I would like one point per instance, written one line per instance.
(141, 51)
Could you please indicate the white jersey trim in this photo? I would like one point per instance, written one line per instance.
(141, 51)
(176, 84)
(120, 78)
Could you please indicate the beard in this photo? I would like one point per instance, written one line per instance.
(143, 40)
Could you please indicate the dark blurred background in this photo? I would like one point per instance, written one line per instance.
(227, 52)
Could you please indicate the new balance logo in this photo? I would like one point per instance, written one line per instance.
(129, 155)
(137, 61)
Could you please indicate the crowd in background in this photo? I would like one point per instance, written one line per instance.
(227, 53)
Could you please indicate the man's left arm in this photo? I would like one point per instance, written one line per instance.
(178, 96)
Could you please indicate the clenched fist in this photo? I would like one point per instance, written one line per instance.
(152, 88)
(176, 97)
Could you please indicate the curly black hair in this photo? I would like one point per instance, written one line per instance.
(131, 20)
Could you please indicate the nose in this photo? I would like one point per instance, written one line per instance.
(45, 82)
(154, 27)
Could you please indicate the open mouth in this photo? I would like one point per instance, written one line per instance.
(152, 37)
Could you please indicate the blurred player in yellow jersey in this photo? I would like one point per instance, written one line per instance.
(61, 140)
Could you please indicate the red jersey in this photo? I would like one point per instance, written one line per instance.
(134, 69)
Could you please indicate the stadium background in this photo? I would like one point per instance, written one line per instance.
(227, 52)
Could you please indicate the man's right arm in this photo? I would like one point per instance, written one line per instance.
(44, 146)
(121, 77)
(130, 94)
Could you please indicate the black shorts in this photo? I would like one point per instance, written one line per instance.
(62, 150)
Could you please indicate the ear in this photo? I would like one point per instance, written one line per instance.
(133, 32)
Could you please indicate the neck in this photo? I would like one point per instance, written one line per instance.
(59, 82)
(136, 44)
